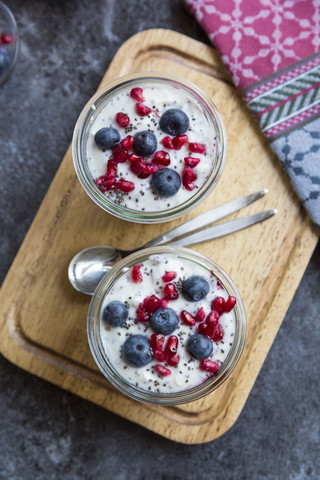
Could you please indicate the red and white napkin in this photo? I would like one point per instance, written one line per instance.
(272, 50)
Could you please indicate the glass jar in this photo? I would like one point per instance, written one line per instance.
(9, 42)
(96, 328)
(171, 207)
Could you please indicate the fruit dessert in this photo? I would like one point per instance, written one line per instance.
(151, 147)
(5, 41)
(167, 324)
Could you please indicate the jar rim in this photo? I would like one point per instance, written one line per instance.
(12, 24)
(167, 398)
(82, 169)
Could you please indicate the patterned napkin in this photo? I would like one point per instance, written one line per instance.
(271, 48)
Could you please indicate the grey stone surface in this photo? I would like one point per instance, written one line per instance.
(47, 433)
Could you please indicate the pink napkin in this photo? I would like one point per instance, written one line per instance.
(271, 48)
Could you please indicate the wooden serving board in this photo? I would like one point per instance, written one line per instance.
(43, 320)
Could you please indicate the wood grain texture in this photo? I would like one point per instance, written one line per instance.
(43, 320)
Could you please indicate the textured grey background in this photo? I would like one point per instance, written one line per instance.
(46, 433)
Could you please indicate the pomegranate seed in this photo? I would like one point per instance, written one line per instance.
(162, 371)
(136, 274)
(157, 341)
(212, 328)
(160, 355)
(142, 315)
(122, 119)
(187, 318)
(137, 94)
(209, 366)
(104, 184)
(218, 304)
(212, 317)
(188, 177)
(147, 167)
(128, 142)
(188, 185)
(179, 141)
(191, 161)
(219, 334)
(135, 168)
(174, 360)
(119, 155)
(142, 110)
(151, 304)
(109, 184)
(155, 166)
(99, 180)
(125, 186)
(197, 148)
(230, 303)
(163, 303)
(200, 315)
(140, 167)
(112, 169)
(189, 174)
(141, 164)
(170, 292)
(143, 175)
(167, 142)
(203, 329)
(168, 276)
(162, 158)
(6, 39)
(171, 347)
(134, 158)
(110, 178)
(136, 165)
(210, 325)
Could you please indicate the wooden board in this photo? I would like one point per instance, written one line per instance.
(43, 320)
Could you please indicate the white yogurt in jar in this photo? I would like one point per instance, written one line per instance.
(159, 98)
(187, 374)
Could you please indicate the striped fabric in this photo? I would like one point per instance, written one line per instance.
(288, 98)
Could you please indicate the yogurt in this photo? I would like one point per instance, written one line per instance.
(189, 372)
(159, 98)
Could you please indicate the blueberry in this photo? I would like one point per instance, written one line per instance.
(199, 346)
(145, 143)
(4, 60)
(166, 182)
(195, 288)
(164, 321)
(137, 351)
(115, 313)
(174, 121)
(107, 137)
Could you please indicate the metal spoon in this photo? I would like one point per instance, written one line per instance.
(87, 268)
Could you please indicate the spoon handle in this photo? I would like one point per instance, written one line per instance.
(223, 229)
(206, 218)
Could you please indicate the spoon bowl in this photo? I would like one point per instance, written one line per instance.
(89, 266)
